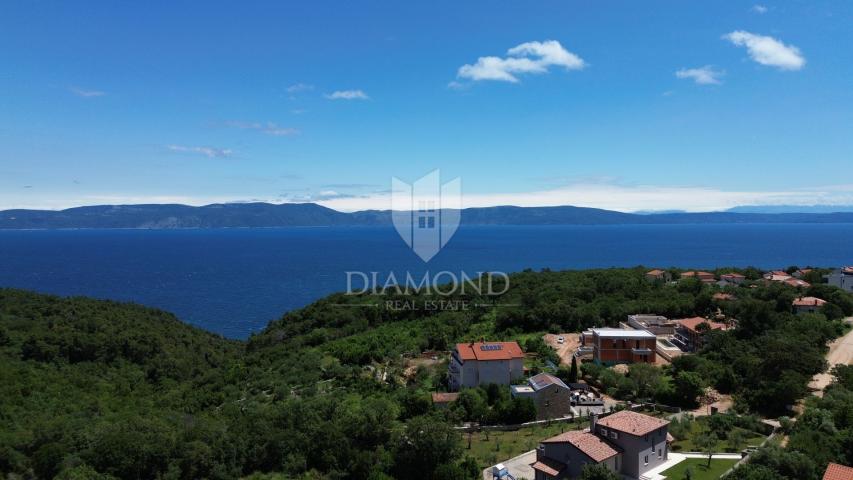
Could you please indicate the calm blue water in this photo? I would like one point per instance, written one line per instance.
(234, 281)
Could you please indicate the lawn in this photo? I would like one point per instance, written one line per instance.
(700, 469)
(493, 447)
(699, 426)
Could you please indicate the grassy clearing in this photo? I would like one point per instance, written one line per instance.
(699, 426)
(700, 469)
(490, 448)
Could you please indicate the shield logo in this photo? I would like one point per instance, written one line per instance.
(426, 214)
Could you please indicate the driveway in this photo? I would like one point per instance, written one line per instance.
(840, 353)
(519, 467)
(566, 349)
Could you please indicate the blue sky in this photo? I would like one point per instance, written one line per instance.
(617, 104)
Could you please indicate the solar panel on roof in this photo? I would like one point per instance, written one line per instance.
(490, 348)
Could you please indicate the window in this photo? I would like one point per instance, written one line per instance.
(614, 435)
(604, 431)
(426, 214)
(646, 460)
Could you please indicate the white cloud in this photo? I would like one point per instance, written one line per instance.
(589, 193)
(529, 57)
(82, 92)
(706, 75)
(767, 50)
(210, 152)
(759, 9)
(300, 87)
(347, 95)
(269, 128)
(630, 198)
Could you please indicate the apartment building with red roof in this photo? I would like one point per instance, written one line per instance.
(481, 363)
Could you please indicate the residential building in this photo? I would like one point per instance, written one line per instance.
(690, 336)
(842, 278)
(628, 443)
(704, 277)
(835, 471)
(777, 276)
(482, 363)
(797, 283)
(805, 305)
(724, 297)
(614, 345)
(657, 324)
(658, 275)
(443, 400)
(732, 278)
(802, 273)
(552, 397)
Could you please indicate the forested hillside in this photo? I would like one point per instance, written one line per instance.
(96, 389)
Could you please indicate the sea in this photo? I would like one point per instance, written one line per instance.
(234, 281)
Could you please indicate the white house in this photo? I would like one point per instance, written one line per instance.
(842, 278)
(482, 363)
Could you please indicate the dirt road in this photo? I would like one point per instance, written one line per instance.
(566, 349)
(840, 353)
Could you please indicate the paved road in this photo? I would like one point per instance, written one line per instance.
(840, 353)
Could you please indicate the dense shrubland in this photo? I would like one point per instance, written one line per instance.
(95, 389)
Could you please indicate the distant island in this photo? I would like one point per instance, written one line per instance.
(260, 215)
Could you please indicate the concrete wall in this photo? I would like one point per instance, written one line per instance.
(839, 280)
(553, 401)
(473, 373)
(608, 353)
(637, 449)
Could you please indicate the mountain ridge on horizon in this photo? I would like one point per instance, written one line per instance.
(260, 214)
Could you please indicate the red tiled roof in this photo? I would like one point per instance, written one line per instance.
(441, 397)
(835, 471)
(632, 422)
(655, 272)
(591, 445)
(732, 275)
(809, 302)
(846, 269)
(796, 282)
(723, 296)
(492, 351)
(548, 466)
(692, 323)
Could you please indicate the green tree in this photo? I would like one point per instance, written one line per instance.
(706, 443)
(573, 373)
(688, 387)
(598, 472)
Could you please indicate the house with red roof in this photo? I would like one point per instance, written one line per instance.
(627, 442)
(797, 283)
(835, 471)
(690, 332)
(731, 279)
(481, 363)
(803, 305)
(704, 277)
(658, 275)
